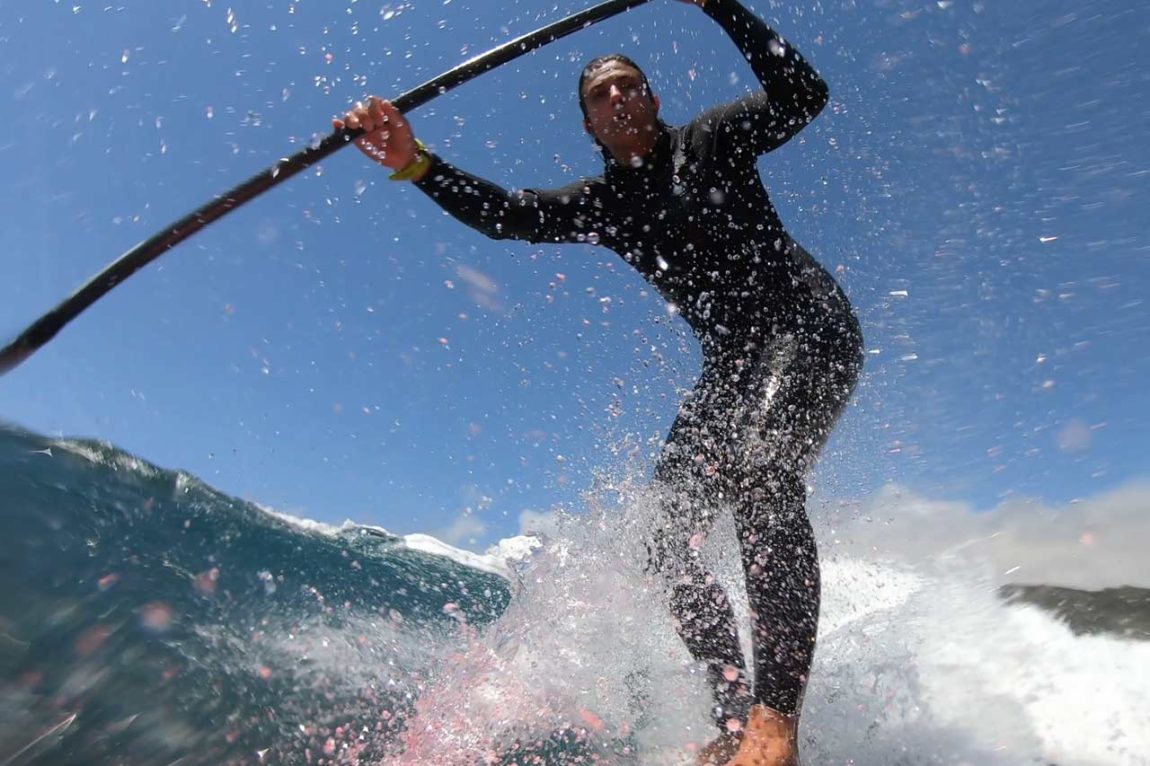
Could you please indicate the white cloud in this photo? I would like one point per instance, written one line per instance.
(1093, 543)
(481, 288)
(535, 522)
(466, 528)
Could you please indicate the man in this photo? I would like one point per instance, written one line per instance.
(782, 350)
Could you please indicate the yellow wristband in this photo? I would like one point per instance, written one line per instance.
(416, 167)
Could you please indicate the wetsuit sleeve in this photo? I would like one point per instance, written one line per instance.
(547, 215)
(793, 92)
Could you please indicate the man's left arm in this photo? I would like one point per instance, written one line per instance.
(793, 92)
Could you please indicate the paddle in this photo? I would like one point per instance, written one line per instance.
(45, 328)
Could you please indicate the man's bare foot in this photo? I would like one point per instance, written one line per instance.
(720, 750)
(770, 739)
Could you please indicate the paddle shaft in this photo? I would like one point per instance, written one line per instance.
(45, 328)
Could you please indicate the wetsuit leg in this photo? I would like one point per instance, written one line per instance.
(803, 382)
(744, 439)
(692, 481)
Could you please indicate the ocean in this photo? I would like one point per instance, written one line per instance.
(146, 618)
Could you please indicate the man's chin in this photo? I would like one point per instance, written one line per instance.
(627, 130)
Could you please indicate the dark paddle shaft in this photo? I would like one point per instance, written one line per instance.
(45, 328)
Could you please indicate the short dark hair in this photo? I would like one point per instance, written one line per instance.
(598, 62)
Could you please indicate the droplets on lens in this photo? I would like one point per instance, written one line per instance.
(389, 12)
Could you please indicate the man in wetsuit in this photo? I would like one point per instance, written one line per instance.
(781, 347)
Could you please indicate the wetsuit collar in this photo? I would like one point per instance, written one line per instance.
(660, 152)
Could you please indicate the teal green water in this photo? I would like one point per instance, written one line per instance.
(148, 619)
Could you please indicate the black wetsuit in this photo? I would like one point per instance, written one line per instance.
(782, 351)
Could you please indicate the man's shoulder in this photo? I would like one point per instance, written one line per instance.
(706, 123)
(698, 135)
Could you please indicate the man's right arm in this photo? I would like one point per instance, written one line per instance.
(555, 215)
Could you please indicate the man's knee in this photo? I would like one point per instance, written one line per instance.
(694, 595)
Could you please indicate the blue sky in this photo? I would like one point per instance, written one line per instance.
(340, 349)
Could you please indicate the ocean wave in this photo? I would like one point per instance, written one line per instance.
(147, 618)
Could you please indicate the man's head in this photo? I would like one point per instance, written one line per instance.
(619, 109)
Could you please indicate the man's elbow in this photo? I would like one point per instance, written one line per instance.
(498, 231)
(504, 222)
(820, 96)
(507, 229)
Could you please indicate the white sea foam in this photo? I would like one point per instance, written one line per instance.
(104, 453)
(495, 562)
(498, 560)
(920, 660)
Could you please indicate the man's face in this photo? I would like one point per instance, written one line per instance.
(619, 106)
